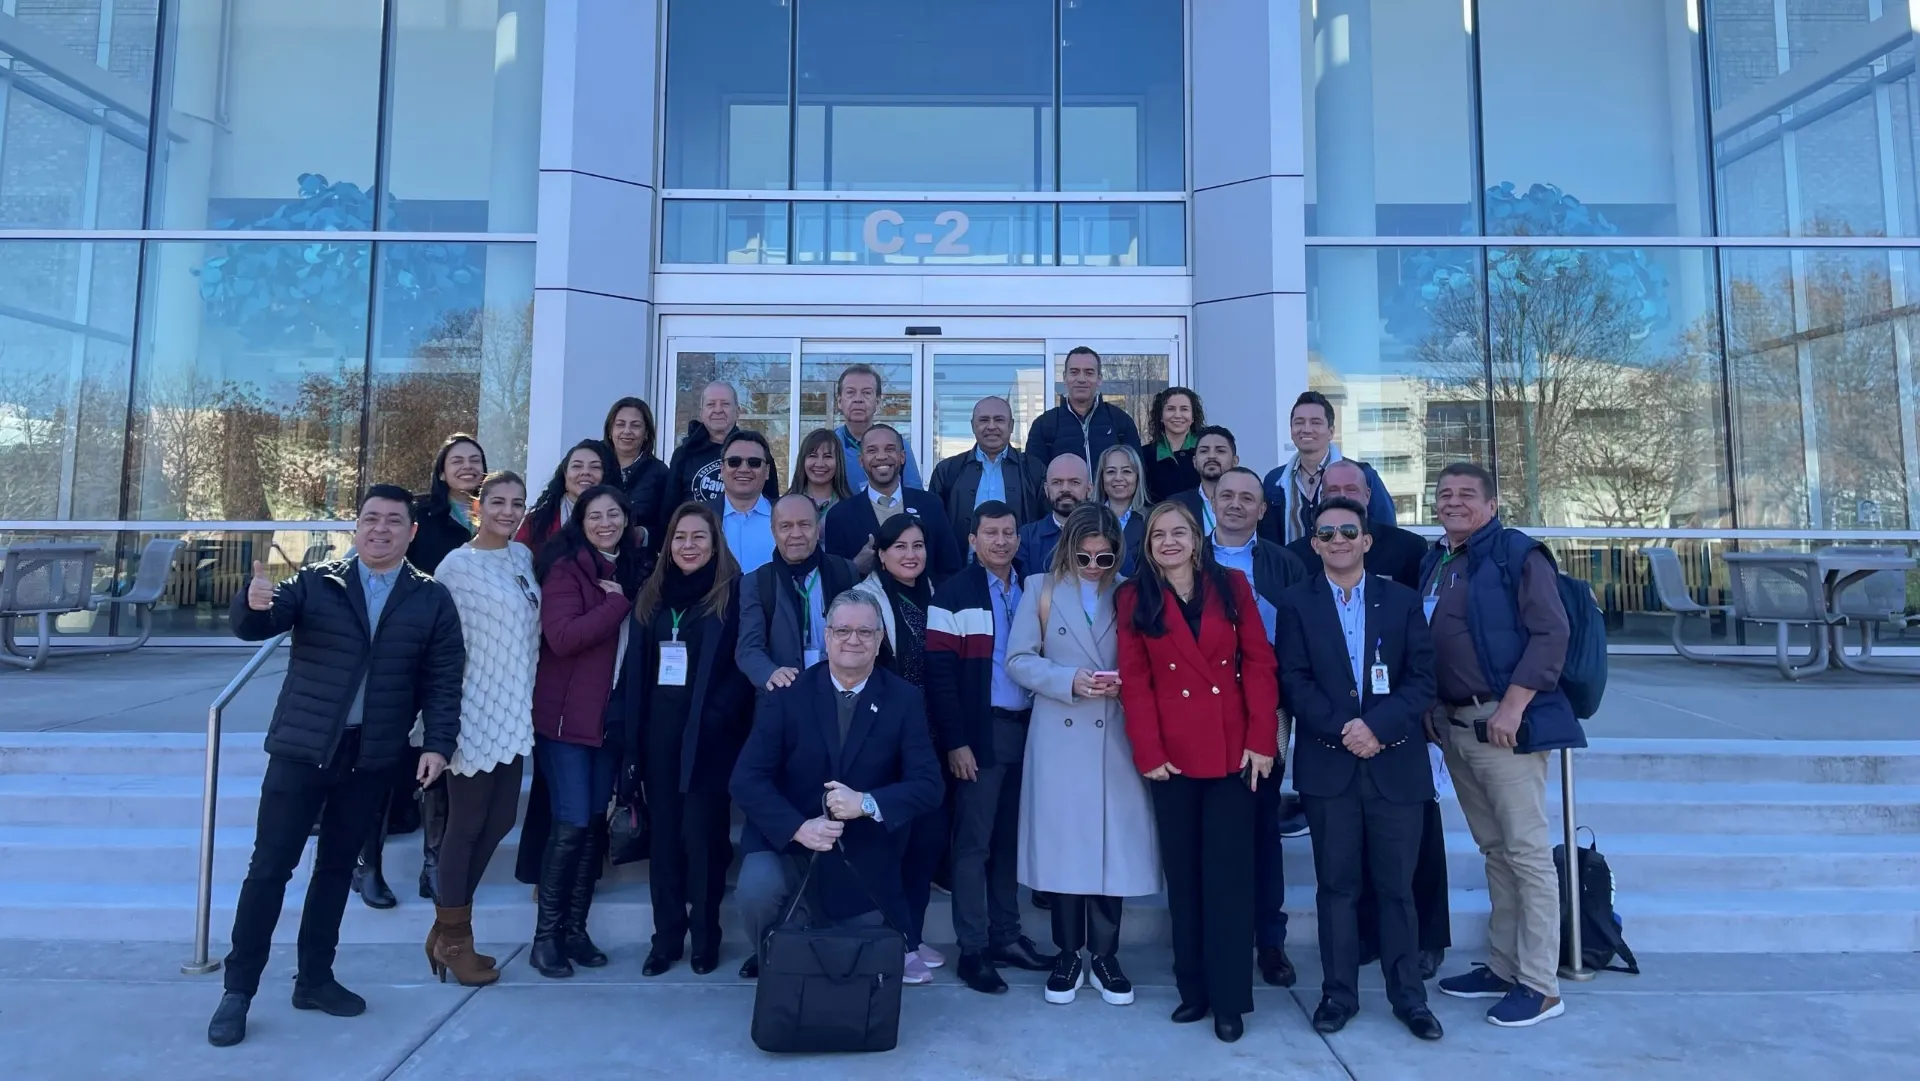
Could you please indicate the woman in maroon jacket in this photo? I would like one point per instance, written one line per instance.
(1198, 684)
(587, 576)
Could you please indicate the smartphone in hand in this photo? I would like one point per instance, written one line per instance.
(1247, 775)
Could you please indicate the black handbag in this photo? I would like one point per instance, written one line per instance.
(832, 989)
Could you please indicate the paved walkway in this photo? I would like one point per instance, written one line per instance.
(103, 1013)
(169, 690)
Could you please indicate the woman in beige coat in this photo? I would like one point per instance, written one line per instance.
(1086, 822)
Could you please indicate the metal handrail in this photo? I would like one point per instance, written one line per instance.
(200, 965)
(1578, 970)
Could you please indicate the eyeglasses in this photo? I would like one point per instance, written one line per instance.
(1327, 532)
(1104, 561)
(850, 634)
(755, 462)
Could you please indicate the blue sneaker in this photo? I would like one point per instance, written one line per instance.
(1480, 983)
(1524, 1006)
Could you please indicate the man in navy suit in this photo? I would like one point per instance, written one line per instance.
(1356, 666)
(836, 764)
(852, 523)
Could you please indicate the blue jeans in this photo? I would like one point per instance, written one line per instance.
(579, 779)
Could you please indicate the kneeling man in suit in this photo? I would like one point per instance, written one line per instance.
(841, 756)
(1356, 666)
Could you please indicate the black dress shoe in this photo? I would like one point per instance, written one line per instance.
(1228, 1027)
(1188, 1012)
(372, 887)
(704, 961)
(1021, 953)
(1421, 1022)
(1329, 1017)
(977, 972)
(1275, 968)
(229, 1024)
(1043, 902)
(1430, 961)
(750, 968)
(328, 998)
(657, 962)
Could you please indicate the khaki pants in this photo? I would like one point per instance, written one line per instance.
(1504, 796)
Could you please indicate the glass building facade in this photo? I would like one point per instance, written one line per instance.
(1648, 258)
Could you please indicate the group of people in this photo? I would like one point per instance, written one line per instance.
(1076, 666)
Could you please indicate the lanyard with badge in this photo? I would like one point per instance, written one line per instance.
(1378, 673)
(809, 650)
(673, 656)
(1432, 598)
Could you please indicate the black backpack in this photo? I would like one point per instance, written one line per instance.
(1600, 926)
(1583, 677)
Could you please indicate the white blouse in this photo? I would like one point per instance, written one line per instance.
(499, 605)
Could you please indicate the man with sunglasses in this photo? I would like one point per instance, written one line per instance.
(746, 514)
(1356, 668)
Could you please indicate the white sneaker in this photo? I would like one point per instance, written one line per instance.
(931, 957)
(1069, 975)
(916, 972)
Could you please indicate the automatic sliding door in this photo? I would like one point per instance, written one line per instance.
(761, 372)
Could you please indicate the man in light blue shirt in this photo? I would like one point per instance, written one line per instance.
(746, 516)
(1351, 607)
(857, 394)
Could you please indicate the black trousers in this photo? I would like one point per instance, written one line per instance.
(535, 827)
(347, 802)
(986, 843)
(1206, 847)
(1356, 835)
(1081, 921)
(1430, 903)
(692, 849)
(1269, 868)
(480, 814)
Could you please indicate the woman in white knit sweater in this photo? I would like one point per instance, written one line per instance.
(493, 588)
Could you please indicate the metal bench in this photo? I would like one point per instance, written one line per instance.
(1875, 600)
(1786, 589)
(149, 584)
(1670, 581)
(50, 580)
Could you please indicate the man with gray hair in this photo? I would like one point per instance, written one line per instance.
(836, 765)
(694, 473)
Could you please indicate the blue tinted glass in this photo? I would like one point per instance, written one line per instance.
(726, 115)
(1123, 234)
(724, 232)
(1122, 96)
(925, 234)
(925, 95)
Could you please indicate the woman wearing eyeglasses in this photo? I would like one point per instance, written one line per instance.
(1086, 833)
(1199, 683)
(899, 582)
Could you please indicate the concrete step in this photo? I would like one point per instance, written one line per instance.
(1641, 862)
(1787, 921)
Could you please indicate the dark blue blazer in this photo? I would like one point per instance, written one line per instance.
(852, 521)
(1316, 680)
(794, 750)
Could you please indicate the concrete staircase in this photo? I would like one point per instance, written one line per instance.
(1716, 846)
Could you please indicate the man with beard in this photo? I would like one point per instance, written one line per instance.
(852, 523)
(1215, 453)
(1068, 485)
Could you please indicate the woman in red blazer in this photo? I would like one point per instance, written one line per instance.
(1198, 684)
(587, 575)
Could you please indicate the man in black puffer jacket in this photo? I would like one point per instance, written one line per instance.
(375, 645)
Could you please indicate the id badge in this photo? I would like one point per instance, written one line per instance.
(673, 664)
(1379, 676)
(809, 658)
(1429, 602)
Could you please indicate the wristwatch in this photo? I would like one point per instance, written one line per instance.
(868, 807)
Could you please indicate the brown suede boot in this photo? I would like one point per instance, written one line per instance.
(454, 950)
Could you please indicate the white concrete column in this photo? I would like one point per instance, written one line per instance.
(593, 270)
(1249, 256)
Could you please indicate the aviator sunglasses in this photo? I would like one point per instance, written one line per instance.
(1327, 532)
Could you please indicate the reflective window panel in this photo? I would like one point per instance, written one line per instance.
(66, 351)
(1562, 160)
(1389, 121)
(923, 234)
(463, 130)
(1123, 234)
(924, 95)
(76, 88)
(453, 334)
(274, 109)
(251, 380)
(1814, 117)
(737, 232)
(962, 379)
(726, 114)
(1122, 95)
(763, 381)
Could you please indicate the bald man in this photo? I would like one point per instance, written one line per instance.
(1068, 485)
(783, 604)
(991, 469)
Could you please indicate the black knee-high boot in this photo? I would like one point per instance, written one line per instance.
(586, 869)
(557, 867)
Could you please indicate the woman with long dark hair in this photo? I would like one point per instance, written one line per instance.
(588, 463)
(1198, 680)
(689, 709)
(1086, 831)
(643, 476)
(821, 474)
(899, 582)
(1168, 452)
(492, 584)
(588, 574)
